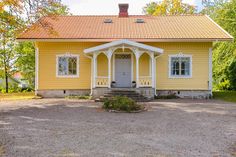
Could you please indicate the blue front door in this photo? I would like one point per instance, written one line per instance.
(123, 70)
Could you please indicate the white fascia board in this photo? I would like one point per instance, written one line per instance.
(230, 36)
(124, 41)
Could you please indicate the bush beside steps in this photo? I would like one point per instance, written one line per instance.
(122, 104)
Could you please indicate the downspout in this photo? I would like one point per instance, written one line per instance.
(36, 68)
(91, 84)
(155, 88)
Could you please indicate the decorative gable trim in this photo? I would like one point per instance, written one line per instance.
(124, 41)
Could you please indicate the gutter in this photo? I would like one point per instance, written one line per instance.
(91, 84)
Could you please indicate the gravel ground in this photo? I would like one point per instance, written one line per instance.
(62, 128)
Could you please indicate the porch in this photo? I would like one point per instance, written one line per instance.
(123, 64)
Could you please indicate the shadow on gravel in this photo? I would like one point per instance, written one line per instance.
(59, 127)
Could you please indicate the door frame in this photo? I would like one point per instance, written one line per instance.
(113, 64)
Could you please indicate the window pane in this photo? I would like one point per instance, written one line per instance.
(174, 66)
(180, 66)
(62, 66)
(72, 65)
(185, 66)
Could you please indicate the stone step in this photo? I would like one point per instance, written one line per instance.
(130, 94)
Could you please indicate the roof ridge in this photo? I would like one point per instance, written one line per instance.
(127, 17)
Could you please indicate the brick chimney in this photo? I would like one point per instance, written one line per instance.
(123, 10)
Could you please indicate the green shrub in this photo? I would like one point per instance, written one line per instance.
(121, 103)
(78, 97)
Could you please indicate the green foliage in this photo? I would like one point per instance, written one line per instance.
(84, 97)
(16, 16)
(26, 63)
(231, 71)
(13, 87)
(225, 95)
(168, 7)
(224, 53)
(121, 103)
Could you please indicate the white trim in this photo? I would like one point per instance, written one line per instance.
(137, 56)
(153, 72)
(124, 41)
(132, 67)
(210, 69)
(94, 69)
(109, 56)
(113, 67)
(150, 66)
(220, 27)
(36, 68)
(101, 77)
(180, 55)
(77, 64)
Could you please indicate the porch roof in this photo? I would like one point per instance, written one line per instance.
(124, 42)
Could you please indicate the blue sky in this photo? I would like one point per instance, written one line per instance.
(110, 7)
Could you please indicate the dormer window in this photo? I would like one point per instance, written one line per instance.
(139, 20)
(108, 21)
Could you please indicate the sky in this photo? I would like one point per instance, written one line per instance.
(110, 7)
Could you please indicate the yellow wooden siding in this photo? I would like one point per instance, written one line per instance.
(102, 65)
(144, 64)
(47, 65)
(200, 70)
(49, 50)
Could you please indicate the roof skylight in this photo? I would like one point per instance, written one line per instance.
(108, 21)
(139, 20)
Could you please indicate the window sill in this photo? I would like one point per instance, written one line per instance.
(180, 77)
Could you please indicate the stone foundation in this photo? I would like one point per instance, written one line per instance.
(146, 92)
(57, 93)
(193, 94)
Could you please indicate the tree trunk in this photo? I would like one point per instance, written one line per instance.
(5, 64)
(6, 79)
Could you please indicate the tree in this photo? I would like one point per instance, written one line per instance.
(224, 53)
(7, 57)
(15, 16)
(169, 7)
(26, 63)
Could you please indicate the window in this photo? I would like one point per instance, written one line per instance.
(67, 65)
(180, 66)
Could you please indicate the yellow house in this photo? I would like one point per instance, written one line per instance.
(151, 55)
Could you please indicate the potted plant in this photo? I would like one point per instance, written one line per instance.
(113, 84)
(133, 84)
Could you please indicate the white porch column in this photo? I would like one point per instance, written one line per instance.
(109, 55)
(94, 69)
(153, 70)
(137, 56)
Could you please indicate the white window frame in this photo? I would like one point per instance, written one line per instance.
(190, 68)
(77, 65)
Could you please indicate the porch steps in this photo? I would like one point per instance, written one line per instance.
(128, 93)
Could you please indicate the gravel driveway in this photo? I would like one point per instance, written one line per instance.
(58, 127)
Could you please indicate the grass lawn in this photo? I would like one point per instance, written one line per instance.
(17, 96)
(225, 95)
